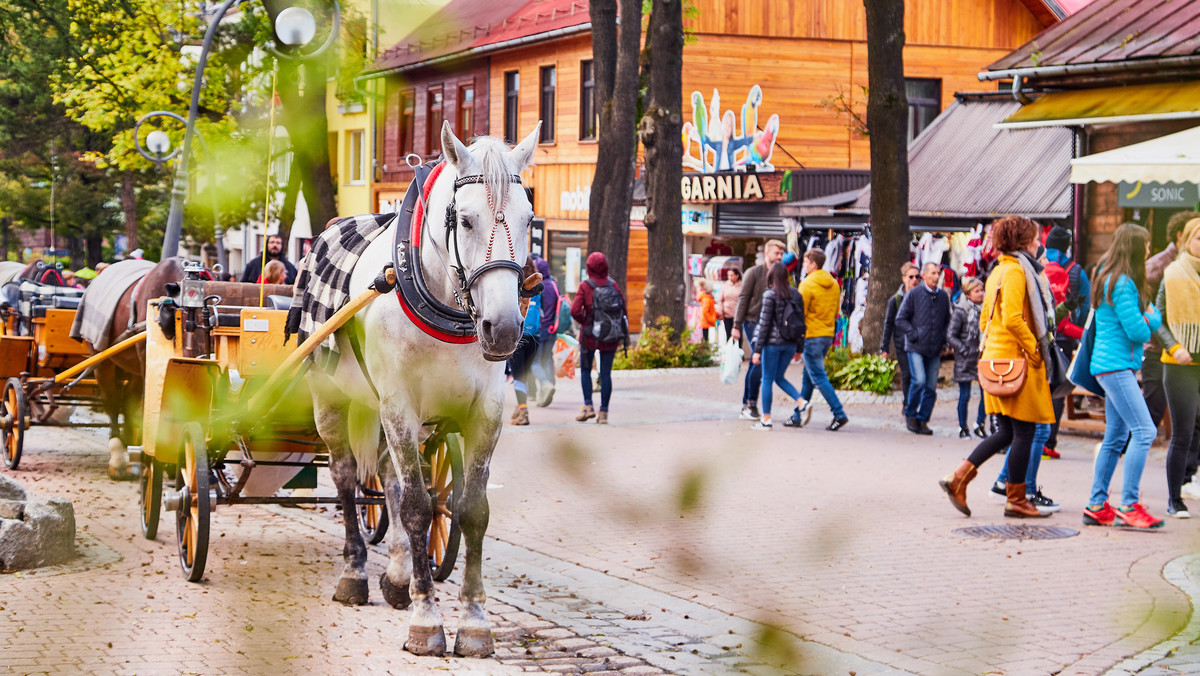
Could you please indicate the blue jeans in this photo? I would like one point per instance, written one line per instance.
(754, 373)
(1041, 434)
(586, 359)
(1126, 417)
(964, 404)
(922, 393)
(775, 360)
(815, 350)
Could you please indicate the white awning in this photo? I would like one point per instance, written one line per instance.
(1170, 159)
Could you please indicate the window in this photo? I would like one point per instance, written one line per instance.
(588, 119)
(433, 116)
(512, 104)
(466, 111)
(924, 103)
(356, 142)
(406, 124)
(546, 109)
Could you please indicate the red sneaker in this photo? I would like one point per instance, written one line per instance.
(1050, 454)
(1138, 517)
(1105, 516)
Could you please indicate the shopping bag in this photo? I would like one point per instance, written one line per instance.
(566, 356)
(731, 361)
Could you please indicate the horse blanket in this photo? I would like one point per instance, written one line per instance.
(93, 321)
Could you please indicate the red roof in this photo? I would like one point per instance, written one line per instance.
(1113, 30)
(467, 24)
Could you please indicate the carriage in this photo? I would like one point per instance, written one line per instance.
(228, 420)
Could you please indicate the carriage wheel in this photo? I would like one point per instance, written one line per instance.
(14, 413)
(445, 488)
(192, 517)
(150, 496)
(372, 519)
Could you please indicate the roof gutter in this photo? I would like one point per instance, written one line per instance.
(480, 50)
(1089, 68)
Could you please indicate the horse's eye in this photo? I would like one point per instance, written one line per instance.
(466, 223)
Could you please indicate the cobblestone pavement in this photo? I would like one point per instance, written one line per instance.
(675, 537)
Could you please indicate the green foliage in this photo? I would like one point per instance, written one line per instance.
(836, 359)
(866, 372)
(661, 347)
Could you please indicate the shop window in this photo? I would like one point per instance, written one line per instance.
(549, 82)
(588, 119)
(434, 117)
(512, 104)
(406, 124)
(466, 111)
(356, 146)
(568, 252)
(924, 103)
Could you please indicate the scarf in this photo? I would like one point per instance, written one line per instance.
(1183, 300)
(1041, 301)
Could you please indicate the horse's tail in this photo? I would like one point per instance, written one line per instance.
(365, 434)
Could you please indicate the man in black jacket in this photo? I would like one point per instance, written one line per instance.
(746, 318)
(254, 266)
(922, 320)
(910, 276)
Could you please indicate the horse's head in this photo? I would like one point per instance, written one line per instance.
(482, 220)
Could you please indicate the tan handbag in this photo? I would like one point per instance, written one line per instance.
(1000, 377)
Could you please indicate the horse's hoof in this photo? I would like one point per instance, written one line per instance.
(396, 595)
(426, 641)
(351, 591)
(474, 642)
(119, 474)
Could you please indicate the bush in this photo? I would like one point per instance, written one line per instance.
(661, 347)
(836, 360)
(866, 372)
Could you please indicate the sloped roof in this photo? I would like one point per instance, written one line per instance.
(1112, 31)
(963, 167)
(465, 25)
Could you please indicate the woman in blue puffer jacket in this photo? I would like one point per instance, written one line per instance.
(1122, 327)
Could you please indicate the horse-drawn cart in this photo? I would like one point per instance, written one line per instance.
(228, 420)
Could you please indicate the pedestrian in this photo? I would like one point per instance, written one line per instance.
(543, 361)
(922, 320)
(521, 361)
(727, 300)
(1122, 326)
(274, 273)
(774, 346)
(600, 309)
(963, 337)
(910, 276)
(1178, 301)
(253, 271)
(1016, 316)
(1072, 293)
(822, 300)
(708, 307)
(749, 308)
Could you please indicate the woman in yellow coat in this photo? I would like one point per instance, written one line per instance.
(1014, 324)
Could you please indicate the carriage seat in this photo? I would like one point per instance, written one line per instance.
(238, 294)
(278, 302)
(35, 298)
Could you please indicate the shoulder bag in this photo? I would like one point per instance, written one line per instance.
(1000, 377)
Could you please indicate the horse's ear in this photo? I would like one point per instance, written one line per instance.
(523, 153)
(454, 150)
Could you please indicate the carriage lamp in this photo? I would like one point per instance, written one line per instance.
(191, 288)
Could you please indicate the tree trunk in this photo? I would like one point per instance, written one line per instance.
(94, 251)
(303, 114)
(129, 207)
(887, 117)
(287, 212)
(5, 233)
(615, 71)
(660, 133)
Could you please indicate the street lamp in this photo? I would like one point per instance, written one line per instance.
(295, 27)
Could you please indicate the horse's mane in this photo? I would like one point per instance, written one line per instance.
(492, 155)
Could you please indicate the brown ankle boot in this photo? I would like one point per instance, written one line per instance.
(955, 486)
(1018, 505)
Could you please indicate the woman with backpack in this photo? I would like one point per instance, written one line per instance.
(778, 339)
(599, 307)
(543, 361)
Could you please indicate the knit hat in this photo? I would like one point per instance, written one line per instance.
(1059, 239)
(789, 261)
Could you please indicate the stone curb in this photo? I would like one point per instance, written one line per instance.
(1184, 573)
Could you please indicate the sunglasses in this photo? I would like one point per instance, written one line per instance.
(911, 276)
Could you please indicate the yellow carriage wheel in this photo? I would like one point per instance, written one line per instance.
(150, 496)
(192, 517)
(14, 418)
(444, 482)
(372, 519)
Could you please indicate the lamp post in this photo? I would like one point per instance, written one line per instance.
(295, 27)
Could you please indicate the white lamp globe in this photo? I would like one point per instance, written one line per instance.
(295, 26)
(158, 142)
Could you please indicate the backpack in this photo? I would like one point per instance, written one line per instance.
(608, 313)
(791, 326)
(562, 323)
(1060, 287)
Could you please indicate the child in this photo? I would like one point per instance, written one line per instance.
(708, 306)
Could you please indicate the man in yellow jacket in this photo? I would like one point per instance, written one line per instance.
(822, 299)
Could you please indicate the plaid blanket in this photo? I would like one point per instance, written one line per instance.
(323, 282)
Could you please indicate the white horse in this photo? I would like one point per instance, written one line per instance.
(416, 380)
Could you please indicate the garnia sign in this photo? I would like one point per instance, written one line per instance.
(724, 145)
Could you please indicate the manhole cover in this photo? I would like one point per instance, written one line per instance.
(1017, 532)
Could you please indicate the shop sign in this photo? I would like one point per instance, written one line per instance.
(537, 237)
(731, 187)
(1165, 195)
(723, 142)
(697, 219)
(578, 199)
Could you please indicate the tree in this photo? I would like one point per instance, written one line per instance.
(660, 132)
(615, 73)
(887, 117)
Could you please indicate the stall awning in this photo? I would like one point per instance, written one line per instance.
(1174, 158)
(1137, 103)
